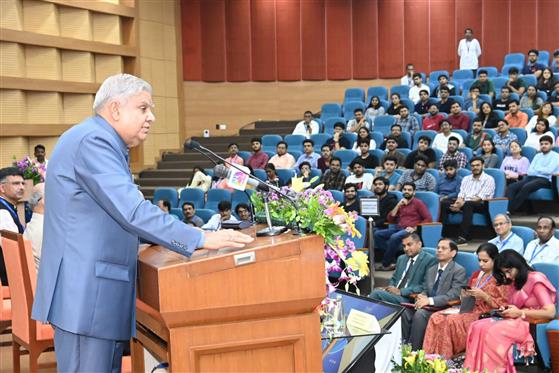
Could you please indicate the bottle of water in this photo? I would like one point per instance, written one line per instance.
(339, 317)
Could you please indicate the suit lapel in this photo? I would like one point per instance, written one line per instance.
(449, 268)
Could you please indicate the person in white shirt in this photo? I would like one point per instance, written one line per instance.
(307, 126)
(214, 224)
(545, 248)
(361, 179)
(34, 229)
(408, 78)
(417, 87)
(469, 51)
(200, 179)
(441, 139)
(506, 239)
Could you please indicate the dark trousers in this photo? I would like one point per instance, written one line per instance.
(518, 192)
(414, 324)
(467, 214)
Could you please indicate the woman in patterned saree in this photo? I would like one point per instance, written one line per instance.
(532, 296)
(446, 333)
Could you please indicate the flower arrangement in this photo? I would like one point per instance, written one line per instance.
(31, 170)
(420, 362)
(315, 210)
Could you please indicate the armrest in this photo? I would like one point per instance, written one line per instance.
(454, 302)
(5, 293)
(497, 206)
(540, 321)
(555, 186)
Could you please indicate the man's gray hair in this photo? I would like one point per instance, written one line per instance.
(506, 216)
(119, 87)
(35, 198)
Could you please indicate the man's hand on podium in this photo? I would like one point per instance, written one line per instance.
(226, 238)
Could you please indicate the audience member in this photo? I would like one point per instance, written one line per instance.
(475, 190)
(190, 217)
(367, 159)
(441, 139)
(555, 66)
(541, 129)
(423, 149)
(488, 117)
(386, 201)
(443, 82)
(502, 103)
(432, 120)
(308, 154)
(388, 171)
(515, 117)
(515, 83)
(484, 84)
(409, 276)
(234, 157)
(307, 127)
(334, 178)
(408, 121)
(339, 140)
(351, 199)
(473, 102)
(545, 248)
(446, 333)
(474, 139)
(554, 99)
(374, 110)
(272, 177)
(546, 81)
(545, 112)
(34, 229)
(395, 105)
(324, 161)
(243, 212)
(423, 180)
(506, 238)
(224, 209)
(452, 153)
(488, 153)
(449, 182)
(358, 121)
(515, 166)
(200, 180)
(408, 213)
(417, 87)
(408, 78)
(443, 283)
(305, 171)
(543, 166)
(531, 296)
(504, 136)
(457, 118)
(361, 179)
(364, 134)
(469, 51)
(282, 159)
(40, 153)
(391, 151)
(396, 133)
(533, 66)
(164, 205)
(422, 107)
(258, 158)
(12, 188)
(531, 100)
(445, 102)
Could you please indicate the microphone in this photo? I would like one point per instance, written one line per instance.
(239, 179)
(191, 145)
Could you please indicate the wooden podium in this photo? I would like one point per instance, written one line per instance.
(249, 310)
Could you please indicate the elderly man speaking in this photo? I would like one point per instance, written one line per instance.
(94, 217)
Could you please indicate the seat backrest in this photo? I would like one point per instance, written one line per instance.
(354, 94)
(194, 195)
(468, 151)
(458, 99)
(294, 140)
(551, 271)
(434, 75)
(329, 124)
(467, 260)
(205, 214)
(492, 71)
(337, 195)
(383, 124)
(514, 59)
(466, 84)
(500, 181)
(379, 91)
(169, 194)
(499, 82)
(346, 156)
(22, 278)
(530, 80)
(350, 107)
(259, 173)
(543, 58)
(331, 109)
(506, 67)
(431, 200)
(529, 152)
(285, 175)
(402, 90)
(319, 139)
(244, 155)
(527, 234)
(271, 140)
(378, 137)
(520, 133)
(177, 213)
(430, 250)
(296, 153)
(218, 195)
(409, 104)
(361, 226)
(528, 112)
(462, 75)
(418, 134)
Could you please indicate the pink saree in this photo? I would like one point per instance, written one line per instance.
(490, 341)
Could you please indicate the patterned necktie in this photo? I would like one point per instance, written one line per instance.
(436, 284)
(404, 279)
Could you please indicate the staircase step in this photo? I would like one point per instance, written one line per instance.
(266, 131)
(189, 156)
(173, 174)
(275, 124)
(163, 182)
(182, 165)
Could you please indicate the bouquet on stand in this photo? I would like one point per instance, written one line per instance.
(31, 170)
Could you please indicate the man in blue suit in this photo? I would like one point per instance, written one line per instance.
(409, 276)
(94, 218)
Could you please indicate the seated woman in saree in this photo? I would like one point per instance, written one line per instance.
(446, 333)
(490, 341)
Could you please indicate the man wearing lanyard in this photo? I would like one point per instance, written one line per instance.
(545, 248)
(506, 238)
(12, 187)
(469, 51)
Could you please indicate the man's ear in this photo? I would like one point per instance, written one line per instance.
(114, 110)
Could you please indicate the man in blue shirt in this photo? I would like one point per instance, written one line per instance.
(308, 155)
(533, 66)
(506, 239)
(543, 166)
(94, 219)
(449, 184)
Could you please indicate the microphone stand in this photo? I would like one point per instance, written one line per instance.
(270, 230)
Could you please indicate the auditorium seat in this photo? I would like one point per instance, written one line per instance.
(383, 124)
(506, 67)
(500, 114)
(377, 153)
(315, 172)
(177, 213)
(361, 226)
(465, 86)
(244, 155)
(418, 134)
(319, 139)
(329, 110)
(379, 91)
(499, 82)
(468, 151)
(419, 120)
(528, 112)
(337, 195)
(514, 59)
(259, 173)
(378, 137)
(329, 124)
(346, 156)
(215, 196)
(285, 175)
(385, 104)
(530, 79)
(209, 171)
(458, 99)
(467, 260)
(296, 153)
(270, 153)
(529, 152)
(352, 138)
(294, 142)
(520, 133)
(436, 174)
(205, 214)
(239, 196)
(461, 75)
(194, 195)
(546, 194)
(527, 234)
(169, 194)
(434, 75)
(492, 71)
(431, 232)
(407, 137)
(490, 131)
(354, 94)
(269, 142)
(430, 250)
(5, 307)
(486, 98)
(402, 90)
(543, 57)
(350, 107)
(409, 104)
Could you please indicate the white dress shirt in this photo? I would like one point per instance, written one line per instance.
(546, 253)
(34, 233)
(469, 52)
(301, 129)
(441, 141)
(414, 92)
(214, 224)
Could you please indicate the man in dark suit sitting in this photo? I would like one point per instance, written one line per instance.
(409, 277)
(443, 283)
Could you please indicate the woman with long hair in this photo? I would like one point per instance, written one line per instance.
(395, 105)
(489, 154)
(487, 116)
(515, 165)
(531, 100)
(447, 332)
(546, 81)
(364, 134)
(545, 112)
(541, 129)
(374, 110)
(532, 296)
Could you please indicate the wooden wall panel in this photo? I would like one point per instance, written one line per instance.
(288, 31)
(416, 34)
(313, 40)
(443, 44)
(338, 40)
(263, 17)
(238, 40)
(212, 22)
(523, 31)
(468, 15)
(548, 38)
(191, 40)
(391, 38)
(495, 40)
(365, 43)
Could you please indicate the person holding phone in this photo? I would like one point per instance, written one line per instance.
(446, 333)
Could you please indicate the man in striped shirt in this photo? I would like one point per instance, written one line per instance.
(475, 190)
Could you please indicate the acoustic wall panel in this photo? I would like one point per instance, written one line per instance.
(495, 34)
(40, 17)
(107, 65)
(288, 31)
(191, 40)
(42, 62)
(263, 19)
(12, 59)
(10, 147)
(442, 36)
(15, 101)
(106, 28)
(78, 66)
(47, 107)
(391, 38)
(75, 23)
(76, 107)
(238, 41)
(11, 14)
(547, 25)
(365, 43)
(212, 13)
(338, 40)
(523, 29)
(416, 35)
(313, 41)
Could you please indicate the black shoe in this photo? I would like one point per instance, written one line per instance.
(460, 241)
(388, 268)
